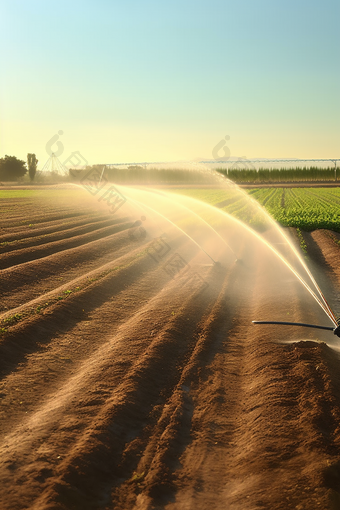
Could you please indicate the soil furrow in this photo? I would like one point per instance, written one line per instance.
(144, 385)
(10, 223)
(164, 347)
(38, 327)
(49, 234)
(31, 279)
(26, 254)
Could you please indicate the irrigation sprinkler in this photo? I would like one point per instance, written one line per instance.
(336, 330)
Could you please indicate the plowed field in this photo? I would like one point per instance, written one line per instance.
(123, 387)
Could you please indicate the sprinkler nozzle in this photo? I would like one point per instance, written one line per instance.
(336, 331)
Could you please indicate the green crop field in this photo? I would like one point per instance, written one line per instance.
(20, 193)
(304, 208)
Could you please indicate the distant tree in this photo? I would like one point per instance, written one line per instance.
(32, 165)
(11, 168)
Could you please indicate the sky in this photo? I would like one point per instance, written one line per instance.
(117, 81)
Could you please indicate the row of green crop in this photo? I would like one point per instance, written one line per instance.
(233, 201)
(305, 208)
(278, 174)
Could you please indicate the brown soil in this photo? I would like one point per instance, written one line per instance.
(122, 388)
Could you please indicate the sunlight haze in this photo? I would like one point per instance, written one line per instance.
(148, 81)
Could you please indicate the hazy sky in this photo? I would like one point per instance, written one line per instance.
(152, 80)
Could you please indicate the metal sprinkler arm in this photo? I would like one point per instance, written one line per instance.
(336, 330)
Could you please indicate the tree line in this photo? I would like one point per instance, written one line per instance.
(12, 168)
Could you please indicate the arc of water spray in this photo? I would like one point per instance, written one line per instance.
(329, 314)
(295, 251)
(142, 207)
(167, 196)
(174, 225)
